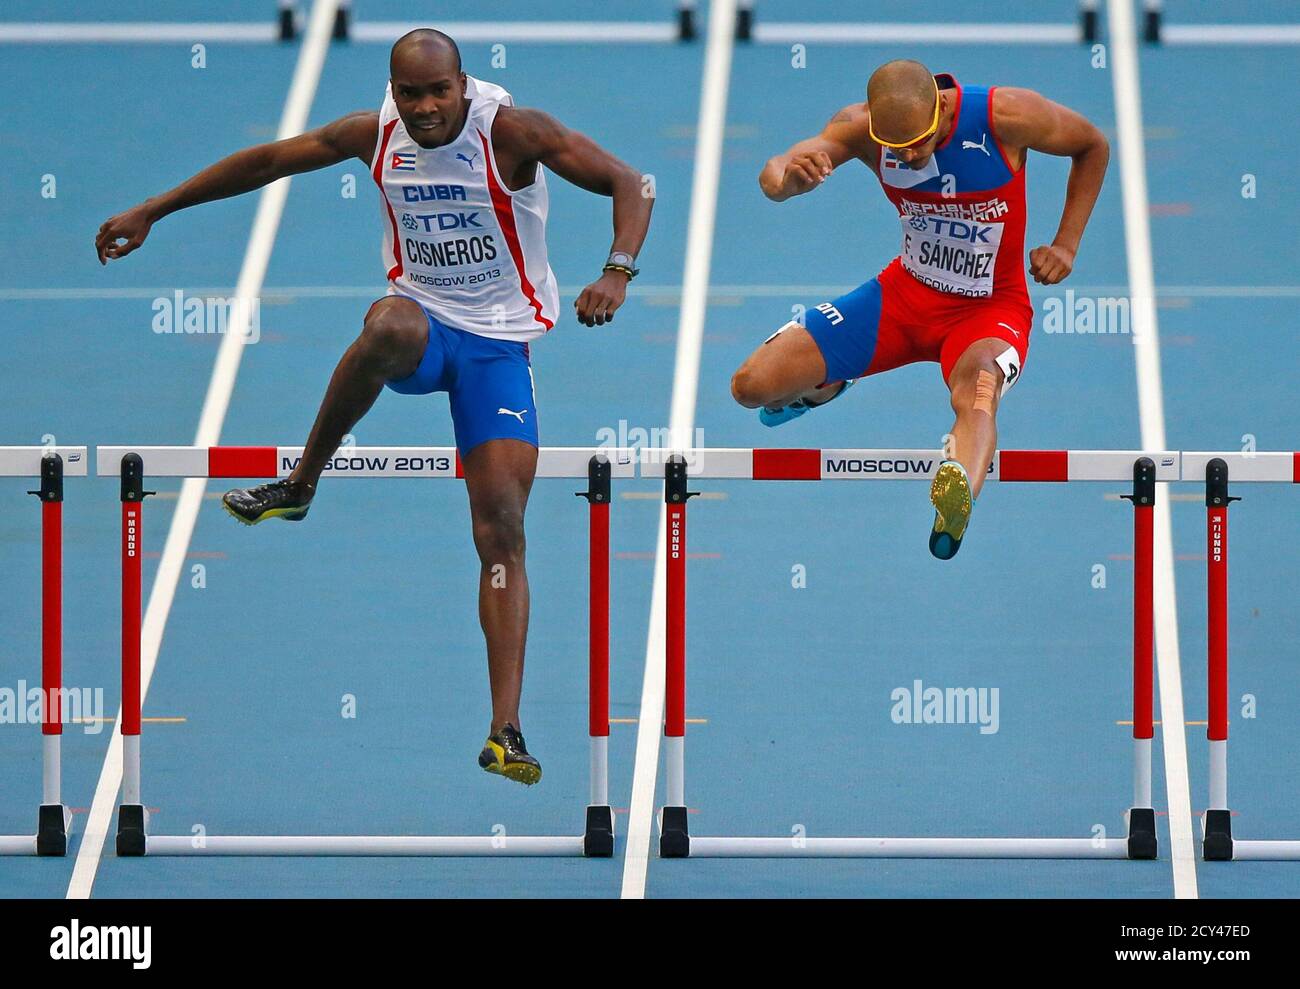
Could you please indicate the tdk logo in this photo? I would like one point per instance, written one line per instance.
(957, 230)
(449, 221)
(432, 193)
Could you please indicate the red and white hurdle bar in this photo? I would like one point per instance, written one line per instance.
(1141, 468)
(134, 464)
(801, 464)
(54, 820)
(1218, 843)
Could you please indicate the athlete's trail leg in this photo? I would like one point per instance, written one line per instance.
(499, 476)
(390, 347)
(785, 367)
(976, 384)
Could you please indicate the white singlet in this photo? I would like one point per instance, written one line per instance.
(456, 240)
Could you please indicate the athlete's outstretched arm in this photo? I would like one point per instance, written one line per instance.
(1025, 119)
(527, 136)
(810, 162)
(353, 136)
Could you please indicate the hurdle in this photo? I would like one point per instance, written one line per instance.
(54, 819)
(1218, 843)
(134, 464)
(1143, 469)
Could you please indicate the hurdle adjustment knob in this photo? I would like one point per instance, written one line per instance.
(675, 481)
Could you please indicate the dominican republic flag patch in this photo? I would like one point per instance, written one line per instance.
(402, 162)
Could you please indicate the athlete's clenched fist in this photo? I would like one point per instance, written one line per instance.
(599, 300)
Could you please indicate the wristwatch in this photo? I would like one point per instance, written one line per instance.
(622, 262)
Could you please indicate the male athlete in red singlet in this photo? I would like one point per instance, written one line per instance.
(463, 205)
(951, 159)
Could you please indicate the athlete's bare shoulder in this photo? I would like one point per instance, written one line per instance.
(353, 136)
(524, 132)
(851, 127)
(1013, 107)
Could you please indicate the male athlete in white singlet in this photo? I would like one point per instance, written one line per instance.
(463, 205)
(951, 160)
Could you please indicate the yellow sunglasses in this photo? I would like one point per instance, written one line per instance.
(929, 131)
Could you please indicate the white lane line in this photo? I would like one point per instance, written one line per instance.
(270, 206)
(1151, 414)
(686, 375)
(276, 293)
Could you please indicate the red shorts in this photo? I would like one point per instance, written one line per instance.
(894, 320)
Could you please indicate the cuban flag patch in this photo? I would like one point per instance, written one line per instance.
(402, 162)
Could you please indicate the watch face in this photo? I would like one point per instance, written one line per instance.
(618, 257)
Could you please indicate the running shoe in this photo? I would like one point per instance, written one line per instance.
(286, 499)
(504, 754)
(950, 495)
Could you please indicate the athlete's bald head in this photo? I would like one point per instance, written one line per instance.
(901, 97)
(428, 86)
(427, 46)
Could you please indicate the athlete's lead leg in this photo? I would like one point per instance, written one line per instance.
(786, 367)
(391, 344)
(390, 347)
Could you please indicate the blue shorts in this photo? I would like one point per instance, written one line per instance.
(489, 383)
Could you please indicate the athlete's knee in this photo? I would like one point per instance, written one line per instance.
(976, 388)
(394, 334)
(499, 535)
(747, 386)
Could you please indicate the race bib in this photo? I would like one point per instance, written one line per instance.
(956, 256)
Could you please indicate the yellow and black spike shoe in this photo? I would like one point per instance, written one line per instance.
(504, 754)
(286, 499)
(950, 495)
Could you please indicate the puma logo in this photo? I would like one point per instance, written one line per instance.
(517, 415)
(978, 147)
(468, 161)
(1011, 328)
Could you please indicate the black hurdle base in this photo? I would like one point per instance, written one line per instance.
(1142, 842)
(132, 829)
(1151, 26)
(1088, 17)
(674, 835)
(1216, 845)
(53, 825)
(598, 838)
(686, 23)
